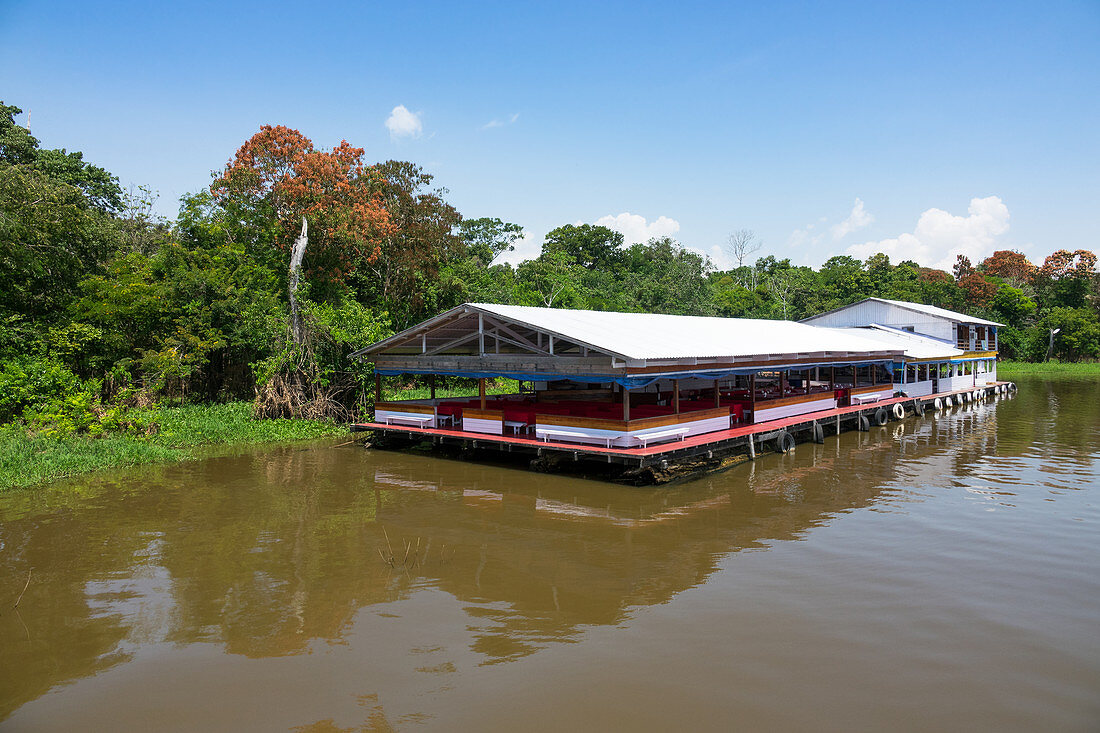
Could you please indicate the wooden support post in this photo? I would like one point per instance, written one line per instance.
(782, 384)
(752, 448)
(717, 395)
(752, 395)
(676, 396)
(481, 391)
(626, 404)
(377, 387)
(431, 384)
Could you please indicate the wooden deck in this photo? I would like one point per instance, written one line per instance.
(692, 445)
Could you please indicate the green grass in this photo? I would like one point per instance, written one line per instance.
(27, 460)
(1015, 369)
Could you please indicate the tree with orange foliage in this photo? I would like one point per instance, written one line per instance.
(978, 291)
(1063, 264)
(1009, 265)
(277, 177)
(1068, 279)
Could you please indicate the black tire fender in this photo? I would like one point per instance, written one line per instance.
(918, 408)
(784, 441)
(864, 424)
(881, 416)
(819, 433)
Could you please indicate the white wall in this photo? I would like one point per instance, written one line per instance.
(886, 314)
(915, 389)
(950, 384)
(799, 408)
(625, 438)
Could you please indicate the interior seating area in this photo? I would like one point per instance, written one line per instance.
(519, 411)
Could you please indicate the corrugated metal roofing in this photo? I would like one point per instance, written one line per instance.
(657, 336)
(941, 312)
(914, 345)
(919, 307)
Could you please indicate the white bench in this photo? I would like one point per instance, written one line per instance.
(646, 438)
(421, 419)
(545, 435)
(860, 399)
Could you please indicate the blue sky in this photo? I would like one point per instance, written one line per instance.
(958, 127)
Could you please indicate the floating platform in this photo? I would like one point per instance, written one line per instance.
(664, 462)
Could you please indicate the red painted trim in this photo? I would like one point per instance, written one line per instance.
(695, 440)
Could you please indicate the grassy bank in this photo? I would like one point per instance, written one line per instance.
(26, 460)
(1016, 369)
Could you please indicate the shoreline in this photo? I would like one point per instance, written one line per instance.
(184, 433)
(1079, 369)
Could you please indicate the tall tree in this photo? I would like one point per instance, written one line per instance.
(1009, 265)
(278, 177)
(19, 147)
(741, 244)
(422, 235)
(589, 245)
(486, 239)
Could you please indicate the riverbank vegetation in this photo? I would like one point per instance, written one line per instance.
(1018, 369)
(153, 435)
(266, 280)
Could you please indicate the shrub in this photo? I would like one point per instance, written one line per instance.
(32, 383)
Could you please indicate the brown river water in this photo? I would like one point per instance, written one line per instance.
(936, 574)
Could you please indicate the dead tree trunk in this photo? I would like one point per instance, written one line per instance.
(296, 256)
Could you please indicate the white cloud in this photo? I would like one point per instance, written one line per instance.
(940, 236)
(718, 256)
(635, 229)
(858, 219)
(809, 236)
(500, 123)
(403, 123)
(527, 247)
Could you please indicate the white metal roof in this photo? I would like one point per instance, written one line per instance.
(914, 345)
(645, 336)
(941, 312)
(918, 307)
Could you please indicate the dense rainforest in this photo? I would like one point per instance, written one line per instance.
(106, 308)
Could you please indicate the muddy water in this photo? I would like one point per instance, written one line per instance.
(938, 574)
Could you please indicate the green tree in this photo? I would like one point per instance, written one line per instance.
(422, 236)
(1079, 333)
(661, 276)
(19, 147)
(488, 238)
(588, 245)
(50, 237)
(1012, 305)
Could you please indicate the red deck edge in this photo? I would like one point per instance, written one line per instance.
(696, 440)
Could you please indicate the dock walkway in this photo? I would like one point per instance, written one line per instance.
(706, 443)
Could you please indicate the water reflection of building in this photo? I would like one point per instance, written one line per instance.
(266, 554)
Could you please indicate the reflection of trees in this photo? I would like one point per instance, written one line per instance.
(61, 630)
(267, 553)
(1063, 416)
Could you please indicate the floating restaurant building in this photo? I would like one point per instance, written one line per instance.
(945, 350)
(641, 389)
